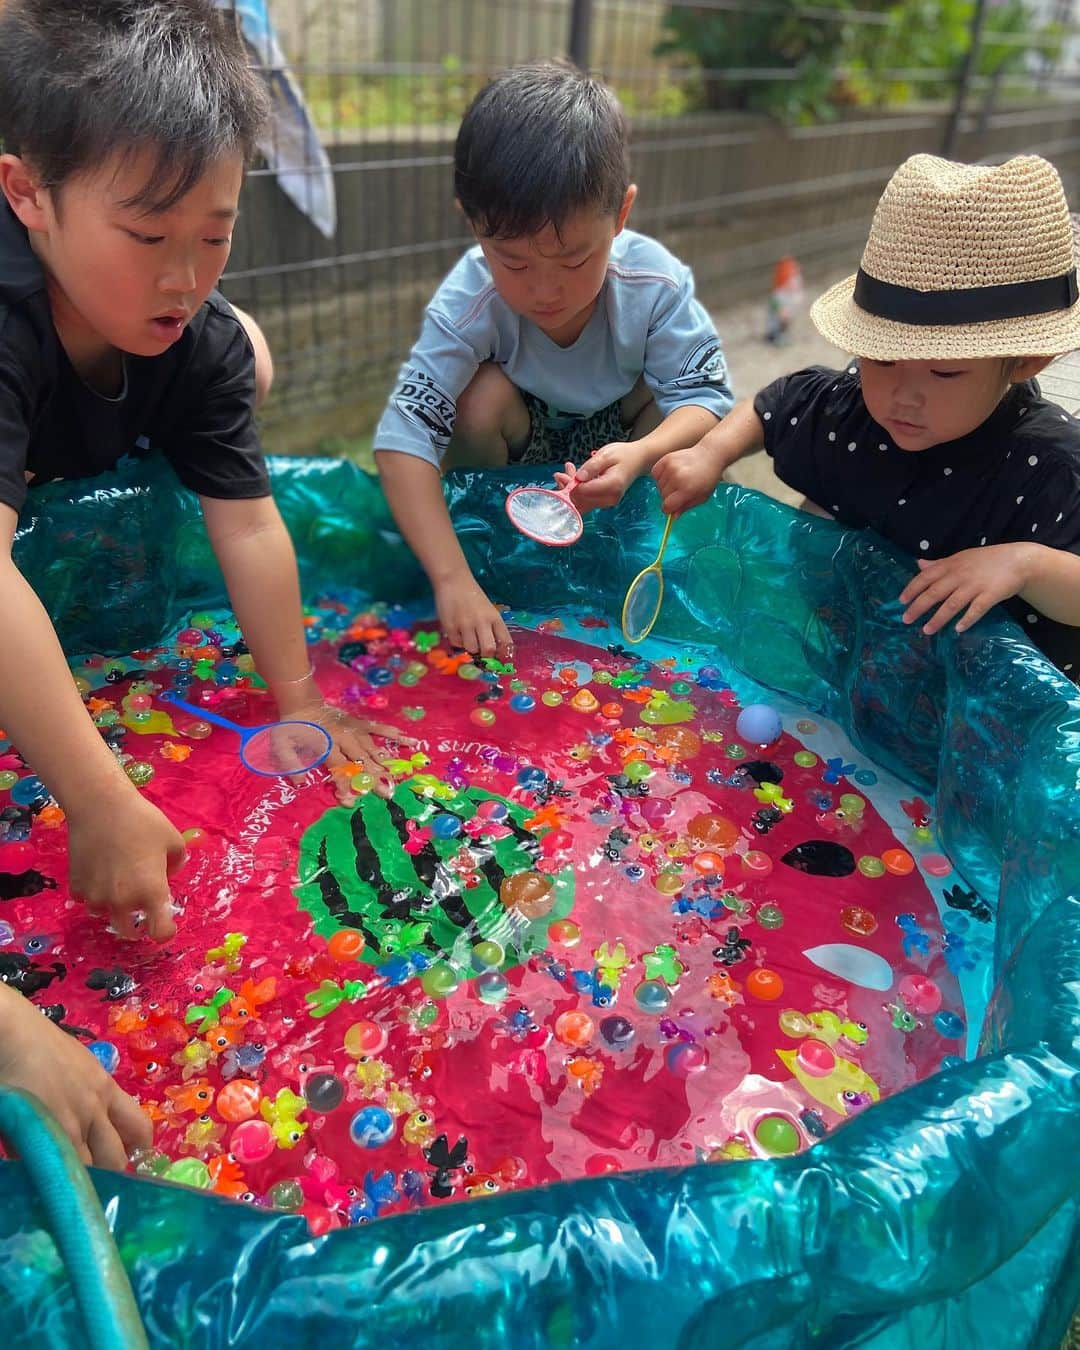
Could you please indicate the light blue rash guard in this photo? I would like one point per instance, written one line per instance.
(646, 322)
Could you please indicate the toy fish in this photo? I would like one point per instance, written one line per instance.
(839, 1089)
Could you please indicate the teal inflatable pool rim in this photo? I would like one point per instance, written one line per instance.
(949, 1215)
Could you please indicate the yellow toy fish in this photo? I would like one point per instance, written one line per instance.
(400, 1101)
(772, 794)
(844, 1088)
(193, 1058)
(372, 1075)
(282, 1116)
(823, 1026)
(398, 767)
(287, 1132)
(611, 963)
(229, 951)
(734, 1150)
(427, 785)
(203, 1133)
(828, 1028)
(418, 1129)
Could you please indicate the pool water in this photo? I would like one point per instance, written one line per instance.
(598, 927)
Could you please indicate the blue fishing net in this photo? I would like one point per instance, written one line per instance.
(948, 1214)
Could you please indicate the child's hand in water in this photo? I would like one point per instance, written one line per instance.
(121, 853)
(606, 474)
(972, 581)
(353, 750)
(104, 1123)
(686, 478)
(470, 621)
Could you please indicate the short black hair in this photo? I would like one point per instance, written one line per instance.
(81, 80)
(537, 143)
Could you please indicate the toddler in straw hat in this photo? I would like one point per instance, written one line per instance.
(937, 436)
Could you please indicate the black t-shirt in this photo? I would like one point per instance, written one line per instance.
(194, 402)
(1014, 478)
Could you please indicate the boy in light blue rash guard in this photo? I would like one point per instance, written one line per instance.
(561, 336)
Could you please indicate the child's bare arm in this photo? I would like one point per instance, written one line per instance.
(413, 487)
(121, 847)
(1053, 584)
(258, 563)
(687, 477)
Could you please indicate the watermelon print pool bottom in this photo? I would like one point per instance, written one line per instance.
(593, 929)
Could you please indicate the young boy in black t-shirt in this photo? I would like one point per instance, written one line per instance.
(937, 437)
(126, 126)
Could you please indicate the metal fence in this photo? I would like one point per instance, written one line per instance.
(760, 128)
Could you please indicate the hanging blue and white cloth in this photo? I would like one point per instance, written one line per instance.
(290, 144)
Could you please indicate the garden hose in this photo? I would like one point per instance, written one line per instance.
(76, 1222)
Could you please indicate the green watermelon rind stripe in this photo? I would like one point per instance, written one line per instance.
(336, 834)
(334, 831)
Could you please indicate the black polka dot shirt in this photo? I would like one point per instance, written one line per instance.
(1014, 478)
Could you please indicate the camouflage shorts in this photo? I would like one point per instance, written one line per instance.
(573, 442)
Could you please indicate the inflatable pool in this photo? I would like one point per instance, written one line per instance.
(633, 1014)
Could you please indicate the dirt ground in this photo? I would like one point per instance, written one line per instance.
(753, 362)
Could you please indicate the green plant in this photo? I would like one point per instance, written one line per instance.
(786, 36)
(931, 37)
(907, 56)
(907, 49)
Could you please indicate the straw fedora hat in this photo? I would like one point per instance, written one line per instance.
(963, 261)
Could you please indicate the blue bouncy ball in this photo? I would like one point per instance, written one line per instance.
(522, 703)
(372, 1127)
(652, 996)
(380, 675)
(759, 724)
(948, 1025)
(445, 826)
(106, 1054)
(28, 790)
(686, 1057)
(530, 777)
